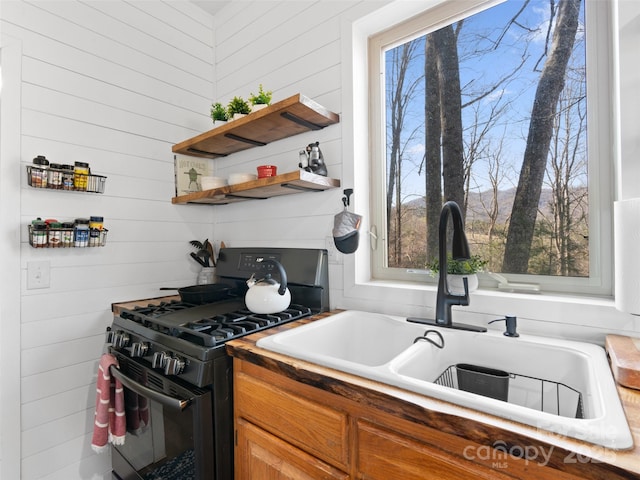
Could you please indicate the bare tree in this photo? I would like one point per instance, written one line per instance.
(446, 48)
(433, 157)
(400, 94)
(551, 83)
(568, 201)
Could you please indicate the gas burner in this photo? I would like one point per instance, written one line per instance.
(222, 327)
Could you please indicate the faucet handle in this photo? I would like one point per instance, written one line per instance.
(512, 325)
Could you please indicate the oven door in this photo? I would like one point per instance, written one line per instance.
(169, 427)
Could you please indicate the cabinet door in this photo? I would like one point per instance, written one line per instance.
(385, 455)
(312, 426)
(260, 455)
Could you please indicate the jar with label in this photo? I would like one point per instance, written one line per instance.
(96, 222)
(67, 234)
(81, 232)
(39, 172)
(55, 234)
(38, 233)
(95, 231)
(67, 177)
(81, 174)
(54, 176)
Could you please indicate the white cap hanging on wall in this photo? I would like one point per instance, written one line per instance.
(346, 227)
(626, 215)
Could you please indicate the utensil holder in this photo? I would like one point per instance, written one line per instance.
(483, 381)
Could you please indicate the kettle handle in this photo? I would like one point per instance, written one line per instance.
(283, 275)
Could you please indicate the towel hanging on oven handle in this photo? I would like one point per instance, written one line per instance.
(171, 402)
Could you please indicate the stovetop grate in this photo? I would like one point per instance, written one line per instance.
(208, 325)
(213, 331)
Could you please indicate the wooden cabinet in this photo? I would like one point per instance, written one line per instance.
(291, 116)
(384, 454)
(267, 456)
(315, 428)
(290, 430)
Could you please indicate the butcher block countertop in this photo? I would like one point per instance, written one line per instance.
(580, 458)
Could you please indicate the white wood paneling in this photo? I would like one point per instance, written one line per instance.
(289, 47)
(114, 84)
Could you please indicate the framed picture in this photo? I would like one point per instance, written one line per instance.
(189, 172)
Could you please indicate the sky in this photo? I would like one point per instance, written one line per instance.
(483, 65)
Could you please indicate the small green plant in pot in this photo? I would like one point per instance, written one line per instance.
(262, 99)
(456, 269)
(475, 264)
(238, 107)
(218, 113)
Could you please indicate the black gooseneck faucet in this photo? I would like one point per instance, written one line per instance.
(460, 251)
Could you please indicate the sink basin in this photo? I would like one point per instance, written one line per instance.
(556, 385)
(346, 341)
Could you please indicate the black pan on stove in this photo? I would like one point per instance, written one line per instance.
(201, 294)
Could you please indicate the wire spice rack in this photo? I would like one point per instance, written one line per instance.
(44, 178)
(65, 238)
(543, 395)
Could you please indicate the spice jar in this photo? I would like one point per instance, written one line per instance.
(81, 232)
(95, 231)
(38, 233)
(39, 172)
(67, 234)
(67, 177)
(81, 174)
(54, 176)
(55, 234)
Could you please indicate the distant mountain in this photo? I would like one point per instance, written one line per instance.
(477, 212)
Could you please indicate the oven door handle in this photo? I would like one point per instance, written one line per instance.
(165, 400)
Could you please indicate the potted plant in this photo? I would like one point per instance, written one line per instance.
(218, 114)
(238, 107)
(458, 269)
(261, 100)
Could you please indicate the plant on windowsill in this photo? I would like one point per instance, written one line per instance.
(218, 114)
(237, 108)
(458, 269)
(261, 100)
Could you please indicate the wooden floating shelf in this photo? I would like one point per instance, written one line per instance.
(291, 116)
(285, 184)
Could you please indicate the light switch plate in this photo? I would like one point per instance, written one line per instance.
(38, 274)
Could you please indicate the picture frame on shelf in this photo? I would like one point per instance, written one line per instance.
(188, 173)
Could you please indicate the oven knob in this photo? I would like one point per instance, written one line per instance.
(159, 359)
(174, 366)
(139, 349)
(109, 335)
(120, 339)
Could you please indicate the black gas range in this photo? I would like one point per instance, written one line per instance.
(172, 355)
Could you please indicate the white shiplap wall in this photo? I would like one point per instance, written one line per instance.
(289, 47)
(114, 84)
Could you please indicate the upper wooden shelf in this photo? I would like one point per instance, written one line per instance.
(289, 117)
(262, 188)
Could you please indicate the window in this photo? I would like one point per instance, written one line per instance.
(489, 107)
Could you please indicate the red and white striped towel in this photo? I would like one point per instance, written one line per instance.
(110, 423)
(137, 408)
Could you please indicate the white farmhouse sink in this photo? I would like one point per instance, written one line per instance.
(556, 385)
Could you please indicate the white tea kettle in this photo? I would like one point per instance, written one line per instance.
(266, 295)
